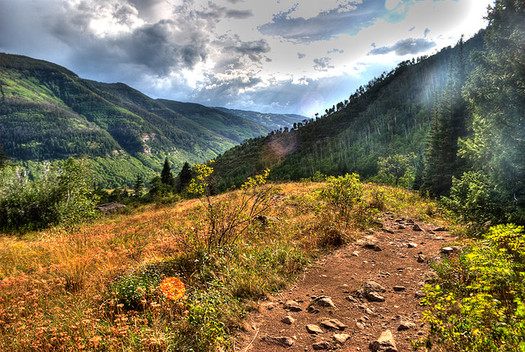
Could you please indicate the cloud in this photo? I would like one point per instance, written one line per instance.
(301, 55)
(405, 46)
(322, 64)
(348, 17)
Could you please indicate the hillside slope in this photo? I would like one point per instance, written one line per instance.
(49, 113)
(390, 115)
(271, 121)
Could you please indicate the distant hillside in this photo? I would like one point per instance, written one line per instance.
(390, 115)
(49, 113)
(270, 121)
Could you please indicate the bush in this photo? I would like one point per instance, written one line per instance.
(478, 303)
(60, 194)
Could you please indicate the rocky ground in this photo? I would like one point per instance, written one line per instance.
(365, 296)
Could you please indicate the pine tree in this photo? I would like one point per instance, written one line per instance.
(166, 176)
(185, 176)
(139, 187)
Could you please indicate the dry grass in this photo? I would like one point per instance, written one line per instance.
(63, 289)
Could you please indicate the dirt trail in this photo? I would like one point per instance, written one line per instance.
(397, 258)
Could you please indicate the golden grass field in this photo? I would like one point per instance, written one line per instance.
(95, 286)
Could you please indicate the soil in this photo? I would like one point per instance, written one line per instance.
(397, 257)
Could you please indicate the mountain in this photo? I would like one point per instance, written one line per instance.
(390, 115)
(270, 121)
(48, 113)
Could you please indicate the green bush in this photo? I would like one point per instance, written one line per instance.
(59, 194)
(478, 303)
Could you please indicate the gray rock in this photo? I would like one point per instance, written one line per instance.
(385, 343)
(405, 325)
(333, 324)
(341, 338)
(314, 329)
(281, 340)
(374, 297)
(447, 250)
(288, 320)
(372, 286)
(292, 306)
(322, 345)
(324, 301)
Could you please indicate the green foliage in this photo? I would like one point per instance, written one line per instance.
(342, 194)
(397, 169)
(473, 198)
(478, 303)
(61, 194)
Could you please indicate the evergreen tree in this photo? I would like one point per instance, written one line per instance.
(496, 95)
(139, 187)
(166, 176)
(185, 176)
(3, 156)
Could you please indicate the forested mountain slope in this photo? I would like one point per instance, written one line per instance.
(271, 121)
(47, 112)
(390, 115)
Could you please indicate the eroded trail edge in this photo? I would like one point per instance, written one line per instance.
(364, 296)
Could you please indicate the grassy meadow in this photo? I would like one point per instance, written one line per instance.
(95, 286)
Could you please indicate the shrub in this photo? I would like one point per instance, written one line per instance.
(478, 303)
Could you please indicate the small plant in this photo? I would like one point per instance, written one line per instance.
(342, 194)
(228, 219)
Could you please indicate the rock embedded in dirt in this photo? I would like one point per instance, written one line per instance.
(412, 245)
(324, 301)
(351, 299)
(314, 329)
(292, 306)
(416, 227)
(334, 324)
(374, 297)
(281, 340)
(405, 325)
(341, 338)
(370, 242)
(440, 229)
(399, 288)
(372, 286)
(288, 320)
(321, 345)
(447, 250)
(421, 258)
(385, 343)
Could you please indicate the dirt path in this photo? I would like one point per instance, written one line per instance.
(396, 257)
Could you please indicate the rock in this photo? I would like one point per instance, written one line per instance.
(333, 324)
(370, 242)
(322, 345)
(314, 329)
(292, 306)
(312, 310)
(405, 325)
(374, 297)
(401, 227)
(440, 229)
(421, 258)
(447, 250)
(412, 245)
(341, 338)
(355, 254)
(409, 221)
(288, 320)
(388, 231)
(351, 299)
(325, 301)
(282, 340)
(419, 294)
(110, 208)
(360, 325)
(400, 288)
(416, 227)
(372, 286)
(385, 343)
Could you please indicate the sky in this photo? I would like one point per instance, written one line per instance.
(281, 56)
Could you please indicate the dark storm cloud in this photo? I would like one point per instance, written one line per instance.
(322, 64)
(238, 14)
(325, 25)
(406, 46)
